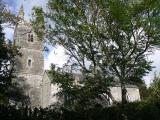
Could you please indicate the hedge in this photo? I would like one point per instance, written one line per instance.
(131, 111)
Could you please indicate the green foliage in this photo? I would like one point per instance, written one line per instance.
(38, 22)
(7, 55)
(5, 15)
(144, 91)
(81, 93)
(65, 82)
(9, 88)
(132, 111)
(113, 35)
(155, 89)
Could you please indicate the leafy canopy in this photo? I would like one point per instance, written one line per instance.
(114, 36)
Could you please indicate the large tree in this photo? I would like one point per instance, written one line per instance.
(7, 54)
(9, 89)
(112, 36)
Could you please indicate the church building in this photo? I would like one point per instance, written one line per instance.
(30, 66)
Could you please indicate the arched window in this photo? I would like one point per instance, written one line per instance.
(30, 37)
(29, 63)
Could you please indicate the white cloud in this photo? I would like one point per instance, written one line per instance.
(9, 33)
(155, 57)
(56, 56)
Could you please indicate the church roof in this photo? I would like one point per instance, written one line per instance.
(79, 77)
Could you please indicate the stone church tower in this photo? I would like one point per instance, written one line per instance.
(30, 66)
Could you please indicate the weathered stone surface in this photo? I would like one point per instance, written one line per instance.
(46, 91)
(132, 93)
(30, 66)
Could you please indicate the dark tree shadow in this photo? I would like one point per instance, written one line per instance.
(19, 92)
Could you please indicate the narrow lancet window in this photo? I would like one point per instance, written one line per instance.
(31, 37)
(29, 62)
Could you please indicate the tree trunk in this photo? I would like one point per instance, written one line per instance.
(124, 101)
(123, 94)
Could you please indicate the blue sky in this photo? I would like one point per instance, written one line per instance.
(57, 55)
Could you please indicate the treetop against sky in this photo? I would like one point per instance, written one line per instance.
(57, 55)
